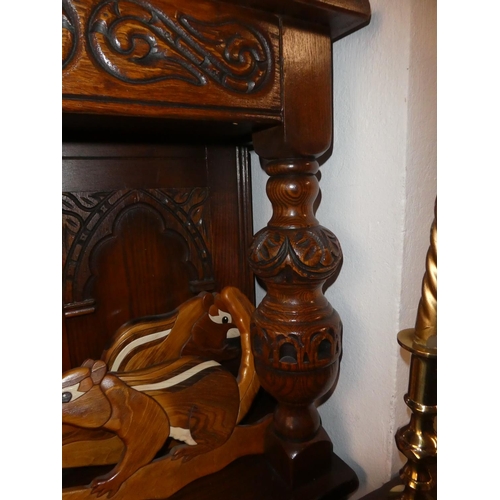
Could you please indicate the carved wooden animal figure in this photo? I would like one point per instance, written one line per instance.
(199, 326)
(192, 400)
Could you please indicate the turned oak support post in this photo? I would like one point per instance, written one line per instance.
(296, 336)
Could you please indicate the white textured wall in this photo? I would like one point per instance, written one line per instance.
(420, 184)
(378, 190)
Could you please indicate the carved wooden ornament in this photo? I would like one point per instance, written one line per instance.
(193, 401)
(265, 68)
(165, 52)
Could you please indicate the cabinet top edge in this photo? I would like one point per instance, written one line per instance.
(342, 17)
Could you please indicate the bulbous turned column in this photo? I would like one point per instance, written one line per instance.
(296, 337)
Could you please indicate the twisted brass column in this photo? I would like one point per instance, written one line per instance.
(418, 440)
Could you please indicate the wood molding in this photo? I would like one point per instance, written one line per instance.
(165, 57)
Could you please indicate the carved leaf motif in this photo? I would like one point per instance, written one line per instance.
(242, 55)
(136, 42)
(269, 247)
(307, 247)
(312, 251)
(316, 249)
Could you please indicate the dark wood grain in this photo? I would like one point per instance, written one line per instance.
(66, 363)
(170, 58)
(307, 128)
(114, 166)
(222, 72)
(341, 17)
(231, 193)
(297, 335)
(253, 477)
(126, 208)
(249, 478)
(191, 400)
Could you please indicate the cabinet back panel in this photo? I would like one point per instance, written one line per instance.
(144, 229)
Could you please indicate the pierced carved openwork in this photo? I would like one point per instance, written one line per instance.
(316, 347)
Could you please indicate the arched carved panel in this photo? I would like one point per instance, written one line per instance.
(130, 253)
(146, 227)
(89, 218)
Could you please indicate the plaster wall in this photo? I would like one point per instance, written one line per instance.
(378, 190)
(420, 185)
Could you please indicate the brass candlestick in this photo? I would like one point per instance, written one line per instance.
(418, 440)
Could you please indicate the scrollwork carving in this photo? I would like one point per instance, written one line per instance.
(138, 43)
(70, 32)
(309, 252)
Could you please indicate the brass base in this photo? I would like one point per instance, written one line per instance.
(418, 439)
(399, 492)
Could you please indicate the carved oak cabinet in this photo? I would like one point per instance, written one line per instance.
(162, 100)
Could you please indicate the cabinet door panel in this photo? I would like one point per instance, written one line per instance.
(145, 229)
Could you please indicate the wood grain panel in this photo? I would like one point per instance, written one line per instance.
(142, 227)
(169, 58)
(248, 478)
(340, 16)
(229, 192)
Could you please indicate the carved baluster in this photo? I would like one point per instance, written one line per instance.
(296, 332)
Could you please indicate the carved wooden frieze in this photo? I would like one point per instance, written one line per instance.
(128, 35)
(169, 52)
